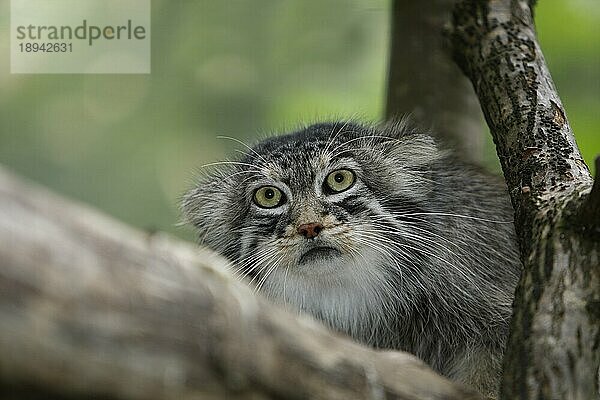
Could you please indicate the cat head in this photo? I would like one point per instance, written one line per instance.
(308, 215)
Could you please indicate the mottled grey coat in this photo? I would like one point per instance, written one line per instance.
(418, 254)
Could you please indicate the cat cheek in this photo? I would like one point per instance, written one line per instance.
(410, 186)
(193, 207)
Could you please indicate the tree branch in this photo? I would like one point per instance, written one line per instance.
(590, 212)
(553, 349)
(92, 308)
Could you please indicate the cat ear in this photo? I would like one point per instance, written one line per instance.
(202, 204)
(409, 147)
(409, 154)
(211, 208)
(415, 150)
(398, 128)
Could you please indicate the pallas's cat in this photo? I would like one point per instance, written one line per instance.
(377, 232)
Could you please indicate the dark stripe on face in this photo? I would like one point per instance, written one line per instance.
(265, 226)
(262, 227)
(403, 206)
(338, 212)
(250, 270)
(354, 204)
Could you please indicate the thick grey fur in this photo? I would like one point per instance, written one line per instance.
(427, 258)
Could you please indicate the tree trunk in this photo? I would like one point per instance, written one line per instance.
(554, 347)
(92, 309)
(424, 81)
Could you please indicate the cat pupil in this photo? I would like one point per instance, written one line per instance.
(338, 177)
(269, 193)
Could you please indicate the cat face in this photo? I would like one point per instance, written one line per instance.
(314, 218)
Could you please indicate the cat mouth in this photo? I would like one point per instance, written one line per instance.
(320, 253)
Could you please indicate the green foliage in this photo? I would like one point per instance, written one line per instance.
(569, 34)
(129, 144)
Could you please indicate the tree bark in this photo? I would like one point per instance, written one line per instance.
(554, 347)
(93, 309)
(423, 80)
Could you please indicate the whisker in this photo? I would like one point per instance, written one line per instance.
(243, 144)
(458, 216)
(211, 164)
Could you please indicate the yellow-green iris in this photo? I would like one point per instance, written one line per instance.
(340, 180)
(268, 197)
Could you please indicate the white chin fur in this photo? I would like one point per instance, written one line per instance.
(344, 291)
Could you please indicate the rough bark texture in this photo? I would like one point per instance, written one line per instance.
(425, 82)
(554, 348)
(92, 309)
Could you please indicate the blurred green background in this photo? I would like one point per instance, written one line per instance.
(129, 144)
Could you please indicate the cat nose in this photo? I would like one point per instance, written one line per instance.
(310, 231)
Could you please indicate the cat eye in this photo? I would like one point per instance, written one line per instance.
(340, 180)
(268, 197)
